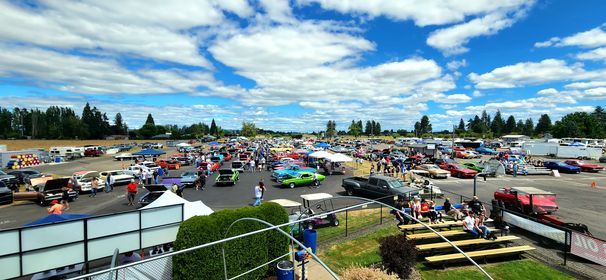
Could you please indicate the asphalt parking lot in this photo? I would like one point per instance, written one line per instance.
(578, 201)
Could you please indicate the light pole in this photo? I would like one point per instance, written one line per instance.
(474, 181)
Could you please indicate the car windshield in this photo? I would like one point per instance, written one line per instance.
(189, 173)
(431, 167)
(396, 184)
(578, 162)
(561, 164)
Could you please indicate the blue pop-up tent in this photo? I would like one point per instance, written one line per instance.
(149, 153)
(322, 145)
(214, 143)
(55, 218)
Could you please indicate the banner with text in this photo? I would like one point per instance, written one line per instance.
(589, 248)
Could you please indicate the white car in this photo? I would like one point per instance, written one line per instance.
(125, 156)
(150, 165)
(83, 180)
(136, 169)
(157, 146)
(119, 177)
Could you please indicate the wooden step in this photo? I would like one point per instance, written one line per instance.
(427, 235)
(437, 225)
(481, 253)
(467, 242)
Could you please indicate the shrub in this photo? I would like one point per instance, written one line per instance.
(240, 254)
(366, 273)
(398, 255)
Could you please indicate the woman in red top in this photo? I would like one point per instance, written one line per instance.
(426, 211)
(131, 191)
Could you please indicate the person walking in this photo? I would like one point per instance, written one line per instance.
(108, 179)
(131, 192)
(263, 189)
(258, 194)
(252, 165)
(316, 181)
(515, 169)
(65, 198)
(94, 185)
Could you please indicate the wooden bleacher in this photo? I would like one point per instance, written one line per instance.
(449, 233)
(467, 242)
(447, 224)
(479, 254)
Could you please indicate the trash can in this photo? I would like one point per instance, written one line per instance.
(57, 159)
(286, 270)
(309, 239)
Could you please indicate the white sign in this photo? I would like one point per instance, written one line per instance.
(589, 248)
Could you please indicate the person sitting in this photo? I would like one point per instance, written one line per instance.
(482, 229)
(426, 212)
(476, 206)
(416, 208)
(469, 225)
(452, 211)
(399, 216)
(130, 257)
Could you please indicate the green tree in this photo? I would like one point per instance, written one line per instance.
(498, 124)
(528, 128)
(213, 128)
(331, 129)
(368, 128)
(150, 120)
(119, 127)
(543, 125)
(461, 127)
(425, 126)
(579, 124)
(249, 129)
(377, 128)
(510, 125)
(355, 128)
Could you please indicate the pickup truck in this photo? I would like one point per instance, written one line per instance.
(378, 186)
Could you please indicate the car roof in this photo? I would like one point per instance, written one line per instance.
(530, 190)
(315, 196)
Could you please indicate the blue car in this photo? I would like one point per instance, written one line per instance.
(291, 170)
(562, 167)
(486, 151)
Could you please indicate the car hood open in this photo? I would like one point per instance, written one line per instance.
(226, 172)
(156, 188)
(55, 184)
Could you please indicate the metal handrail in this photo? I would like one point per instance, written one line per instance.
(368, 201)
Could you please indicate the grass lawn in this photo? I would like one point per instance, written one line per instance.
(363, 251)
(517, 269)
(357, 219)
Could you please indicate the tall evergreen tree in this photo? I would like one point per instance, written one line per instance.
(528, 128)
(150, 120)
(510, 125)
(377, 128)
(461, 127)
(213, 128)
(543, 125)
(368, 128)
(498, 124)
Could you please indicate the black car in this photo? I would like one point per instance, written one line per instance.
(154, 191)
(9, 181)
(24, 174)
(603, 159)
(6, 194)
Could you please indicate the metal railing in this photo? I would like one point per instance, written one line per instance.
(108, 273)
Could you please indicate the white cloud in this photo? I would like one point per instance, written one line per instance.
(452, 40)
(277, 10)
(528, 73)
(455, 98)
(596, 54)
(584, 85)
(595, 93)
(595, 37)
(477, 93)
(456, 64)
(548, 91)
(137, 28)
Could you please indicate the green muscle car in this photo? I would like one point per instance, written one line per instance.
(301, 179)
(474, 166)
(227, 177)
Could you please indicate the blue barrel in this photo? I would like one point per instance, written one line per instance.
(309, 239)
(57, 159)
(286, 270)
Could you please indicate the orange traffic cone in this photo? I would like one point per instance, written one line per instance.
(593, 184)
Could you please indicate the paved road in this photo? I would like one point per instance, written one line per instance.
(578, 201)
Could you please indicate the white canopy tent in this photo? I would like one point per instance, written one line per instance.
(190, 208)
(183, 145)
(321, 154)
(339, 158)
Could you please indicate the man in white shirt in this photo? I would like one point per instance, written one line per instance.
(258, 195)
(469, 225)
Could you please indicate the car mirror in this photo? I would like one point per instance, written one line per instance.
(318, 206)
(385, 187)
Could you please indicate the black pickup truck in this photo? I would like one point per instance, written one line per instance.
(378, 186)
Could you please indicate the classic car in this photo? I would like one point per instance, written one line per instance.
(93, 153)
(226, 156)
(486, 151)
(291, 169)
(301, 179)
(6, 194)
(24, 174)
(443, 161)
(212, 166)
(153, 192)
(183, 161)
(434, 171)
(170, 164)
(458, 170)
(149, 165)
(119, 177)
(126, 156)
(218, 159)
(83, 180)
(585, 167)
(227, 177)
(560, 166)
(474, 166)
(189, 178)
(10, 181)
(603, 159)
(237, 165)
(46, 192)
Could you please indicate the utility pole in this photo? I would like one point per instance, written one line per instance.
(452, 151)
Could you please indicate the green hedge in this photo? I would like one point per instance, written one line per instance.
(241, 254)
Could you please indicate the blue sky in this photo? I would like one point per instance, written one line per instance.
(293, 65)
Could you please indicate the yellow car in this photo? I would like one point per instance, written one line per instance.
(434, 171)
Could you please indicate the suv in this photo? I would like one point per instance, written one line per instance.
(23, 175)
(6, 194)
(10, 181)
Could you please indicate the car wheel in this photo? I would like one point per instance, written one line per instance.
(335, 222)
(349, 191)
(291, 185)
(431, 176)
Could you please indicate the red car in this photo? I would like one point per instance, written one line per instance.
(458, 170)
(226, 156)
(170, 164)
(586, 167)
(213, 166)
(93, 153)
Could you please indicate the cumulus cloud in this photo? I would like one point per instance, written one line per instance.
(528, 73)
(595, 37)
(455, 98)
(456, 64)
